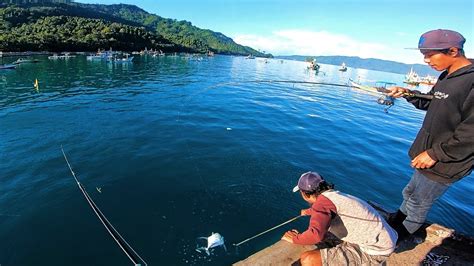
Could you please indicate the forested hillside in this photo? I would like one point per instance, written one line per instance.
(367, 63)
(84, 27)
(180, 32)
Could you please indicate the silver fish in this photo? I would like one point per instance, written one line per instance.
(214, 240)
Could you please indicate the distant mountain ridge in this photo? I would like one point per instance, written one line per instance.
(53, 26)
(369, 63)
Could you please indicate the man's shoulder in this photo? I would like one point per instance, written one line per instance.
(323, 202)
(341, 198)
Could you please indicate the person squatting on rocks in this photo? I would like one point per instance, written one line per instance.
(366, 236)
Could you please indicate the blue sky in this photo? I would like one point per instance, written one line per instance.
(365, 28)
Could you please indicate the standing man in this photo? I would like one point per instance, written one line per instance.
(443, 151)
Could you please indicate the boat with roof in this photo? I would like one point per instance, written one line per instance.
(343, 67)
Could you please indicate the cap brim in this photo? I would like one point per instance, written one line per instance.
(426, 48)
(296, 188)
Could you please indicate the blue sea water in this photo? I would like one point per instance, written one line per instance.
(183, 147)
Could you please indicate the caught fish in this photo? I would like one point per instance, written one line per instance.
(214, 240)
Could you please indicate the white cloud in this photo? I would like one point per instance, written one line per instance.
(304, 42)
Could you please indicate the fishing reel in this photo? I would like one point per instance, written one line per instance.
(388, 101)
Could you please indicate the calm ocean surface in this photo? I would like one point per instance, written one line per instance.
(182, 148)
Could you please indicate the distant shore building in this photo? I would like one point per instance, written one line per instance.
(19, 2)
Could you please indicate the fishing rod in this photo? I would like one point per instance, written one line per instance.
(379, 89)
(407, 94)
(123, 244)
(266, 231)
(386, 100)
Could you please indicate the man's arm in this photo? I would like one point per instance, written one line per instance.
(419, 103)
(319, 222)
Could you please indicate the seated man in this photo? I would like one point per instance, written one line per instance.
(366, 237)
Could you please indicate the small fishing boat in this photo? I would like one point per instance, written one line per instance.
(64, 56)
(343, 67)
(22, 61)
(7, 66)
(101, 55)
(53, 57)
(314, 66)
(126, 59)
(96, 57)
(250, 57)
(160, 53)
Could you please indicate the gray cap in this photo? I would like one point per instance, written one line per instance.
(308, 181)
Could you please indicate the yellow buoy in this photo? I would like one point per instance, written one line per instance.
(36, 85)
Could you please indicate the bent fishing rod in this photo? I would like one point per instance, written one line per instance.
(121, 242)
(379, 89)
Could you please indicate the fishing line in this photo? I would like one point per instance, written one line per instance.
(266, 231)
(378, 89)
(295, 218)
(123, 244)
